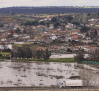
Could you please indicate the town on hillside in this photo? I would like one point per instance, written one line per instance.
(59, 33)
(49, 51)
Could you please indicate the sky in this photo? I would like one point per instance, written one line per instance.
(10, 3)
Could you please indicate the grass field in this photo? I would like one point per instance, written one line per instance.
(94, 26)
(4, 53)
(18, 45)
(51, 60)
(61, 60)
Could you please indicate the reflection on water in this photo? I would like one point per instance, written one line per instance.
(34, 73)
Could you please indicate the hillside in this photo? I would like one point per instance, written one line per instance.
(51, 9)
(9, 19)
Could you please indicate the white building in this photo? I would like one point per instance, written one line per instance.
(5, 46)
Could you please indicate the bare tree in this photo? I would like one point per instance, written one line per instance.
(79, 56)
(94, 55)
(88, 76)
(15, 51)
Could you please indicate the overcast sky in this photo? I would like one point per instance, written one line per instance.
(10, 3)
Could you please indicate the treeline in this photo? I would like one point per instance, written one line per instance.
(34, 23)
(93, 55)
(26, 52)
(57, 9)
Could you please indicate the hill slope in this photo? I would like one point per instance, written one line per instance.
(49, 10)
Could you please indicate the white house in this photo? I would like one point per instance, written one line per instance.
(53, 37)
(6, 46)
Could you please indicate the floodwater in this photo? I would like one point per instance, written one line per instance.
(16, 74)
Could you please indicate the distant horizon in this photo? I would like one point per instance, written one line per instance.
(39, 3)
(49, 6)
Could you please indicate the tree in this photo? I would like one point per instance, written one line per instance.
(20, 53)
(98, 13)
(69, 50)
(17, 30)
(79, 56)
(88, 76)
(24, 52)
(14, 51)
(96, 32)
(84, 22)
(10, 35)
(33, 50)
(54, 19)
(94, 55)
(57, 24)
(42, 23)
(27, 52)
(46, 54)
(24, 31)
(1, 56)
(27, 23)
(69, 18)
(76, 23)
(1, 25)
(89, 14)
(84, 29)
(35, 23)
(87, 34)
(47, 24)
(39, 54)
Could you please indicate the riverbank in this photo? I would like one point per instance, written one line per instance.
(49, 60)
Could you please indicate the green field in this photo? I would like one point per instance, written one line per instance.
(94, 26)
(50, 60)
(5, 53)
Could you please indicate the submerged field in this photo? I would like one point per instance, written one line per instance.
(16, 74)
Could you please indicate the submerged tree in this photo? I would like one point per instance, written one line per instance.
(89, 77)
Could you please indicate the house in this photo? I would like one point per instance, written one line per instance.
(74, 49)
(53, 36)
(46, 34)
(9, 32)
(3, 39)
(41, 48)
(86, 41)
(90, 20)
(49, 40)
(5, 46)
(58, 34)
(51, 26)
(74, 32)
(88, 49)
(53, 48)
(75, 37)
(93, 23)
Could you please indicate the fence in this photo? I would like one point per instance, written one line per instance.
(87, 62)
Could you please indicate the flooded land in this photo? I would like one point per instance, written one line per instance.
(16, 74)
